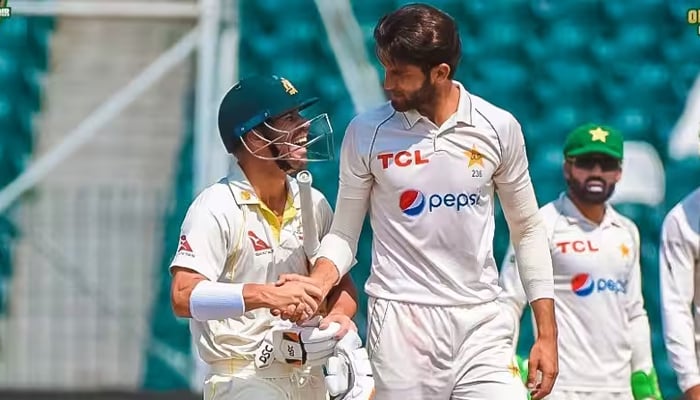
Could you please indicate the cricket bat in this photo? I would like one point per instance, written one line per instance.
(308, 217)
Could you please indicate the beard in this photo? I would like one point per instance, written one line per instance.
(592, 191)
(413, 101)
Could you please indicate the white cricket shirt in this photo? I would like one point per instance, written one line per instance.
(603, 326)
(679, 264)
(430, 192)
(228, 235)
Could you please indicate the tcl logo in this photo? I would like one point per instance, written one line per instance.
(577, 246)
(402, 158)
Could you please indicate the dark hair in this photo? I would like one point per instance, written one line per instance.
(418, 34)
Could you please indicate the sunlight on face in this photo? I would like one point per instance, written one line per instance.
(406, 85)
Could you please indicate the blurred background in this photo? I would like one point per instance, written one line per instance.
(108, 131)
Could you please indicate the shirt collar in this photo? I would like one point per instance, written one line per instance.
(463, 113)
(244, 193)
(574, 216)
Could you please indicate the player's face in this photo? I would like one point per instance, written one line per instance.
(407, 86)
(592, 177)
(291, 131)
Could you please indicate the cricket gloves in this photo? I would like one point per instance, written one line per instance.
(304, 345)
(521, 364)
(645, 386)
(348, 372)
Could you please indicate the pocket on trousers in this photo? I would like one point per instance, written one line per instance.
(376, 318)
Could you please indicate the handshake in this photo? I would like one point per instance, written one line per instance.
(294, 297)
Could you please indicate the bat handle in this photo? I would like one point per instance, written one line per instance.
(304, 178)
(308, 219)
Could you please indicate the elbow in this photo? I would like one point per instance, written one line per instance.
(180, 303)
(528, 226)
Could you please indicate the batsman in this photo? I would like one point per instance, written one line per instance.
(604, 336)
(240, 234)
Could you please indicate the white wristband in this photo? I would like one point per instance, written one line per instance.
(216, 300)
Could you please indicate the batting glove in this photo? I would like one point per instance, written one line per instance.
(349, 373)
(297, 345)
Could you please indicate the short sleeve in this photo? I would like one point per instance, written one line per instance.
(205, 239)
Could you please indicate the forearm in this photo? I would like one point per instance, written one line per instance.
(543, 311)
(256, 295)
(325, 273)
(641, 344)
(680, 345)
(343, 298)
(339, 246)
(676, 270)
(529, 238)
(218, 300)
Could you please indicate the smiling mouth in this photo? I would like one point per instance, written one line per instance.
(595, 186)
(301, 141)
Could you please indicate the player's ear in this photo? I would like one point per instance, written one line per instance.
(440, 73)
(618, 175)
(566, 169)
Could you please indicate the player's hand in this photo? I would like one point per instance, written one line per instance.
(294, 297)
(297, 314)
(284, 278)
(693, 393)
(346, 324)
(544, 361)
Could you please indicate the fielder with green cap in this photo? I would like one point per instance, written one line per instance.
(241, 234)
(604, 335)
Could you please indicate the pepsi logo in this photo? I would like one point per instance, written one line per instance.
(583, 285)
(412, 202)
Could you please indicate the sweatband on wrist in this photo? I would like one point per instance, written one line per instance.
(216, 300)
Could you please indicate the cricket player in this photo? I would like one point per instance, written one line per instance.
(679, 264)
(604, 336)
(427, 164)
(237, 238)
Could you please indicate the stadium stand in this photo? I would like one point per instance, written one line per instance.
(556, 65)
(23, 62)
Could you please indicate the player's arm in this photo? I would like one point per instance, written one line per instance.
(337, 253)
(194, 296)
(529, 238)
(677, 269)
(527, 230)
(513, 297)
(644, 381)
(342, 306)
(342, 299)
(206, 240)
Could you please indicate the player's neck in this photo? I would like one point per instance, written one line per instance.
(445, 104)
(593, 212)
(268, 181)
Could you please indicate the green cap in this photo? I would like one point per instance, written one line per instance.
(253, 100)
(593, 138)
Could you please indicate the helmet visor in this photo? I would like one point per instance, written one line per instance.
(310, 141)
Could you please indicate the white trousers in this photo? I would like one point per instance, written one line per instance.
(237, 380)
(421, 352)
(577, 395)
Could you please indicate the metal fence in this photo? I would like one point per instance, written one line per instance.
(82, 288)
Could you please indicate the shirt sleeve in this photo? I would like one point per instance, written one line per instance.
(205, 240)
(513, 297)
(356, 180)
(527, 229)
(677, 269)
(639, 322)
